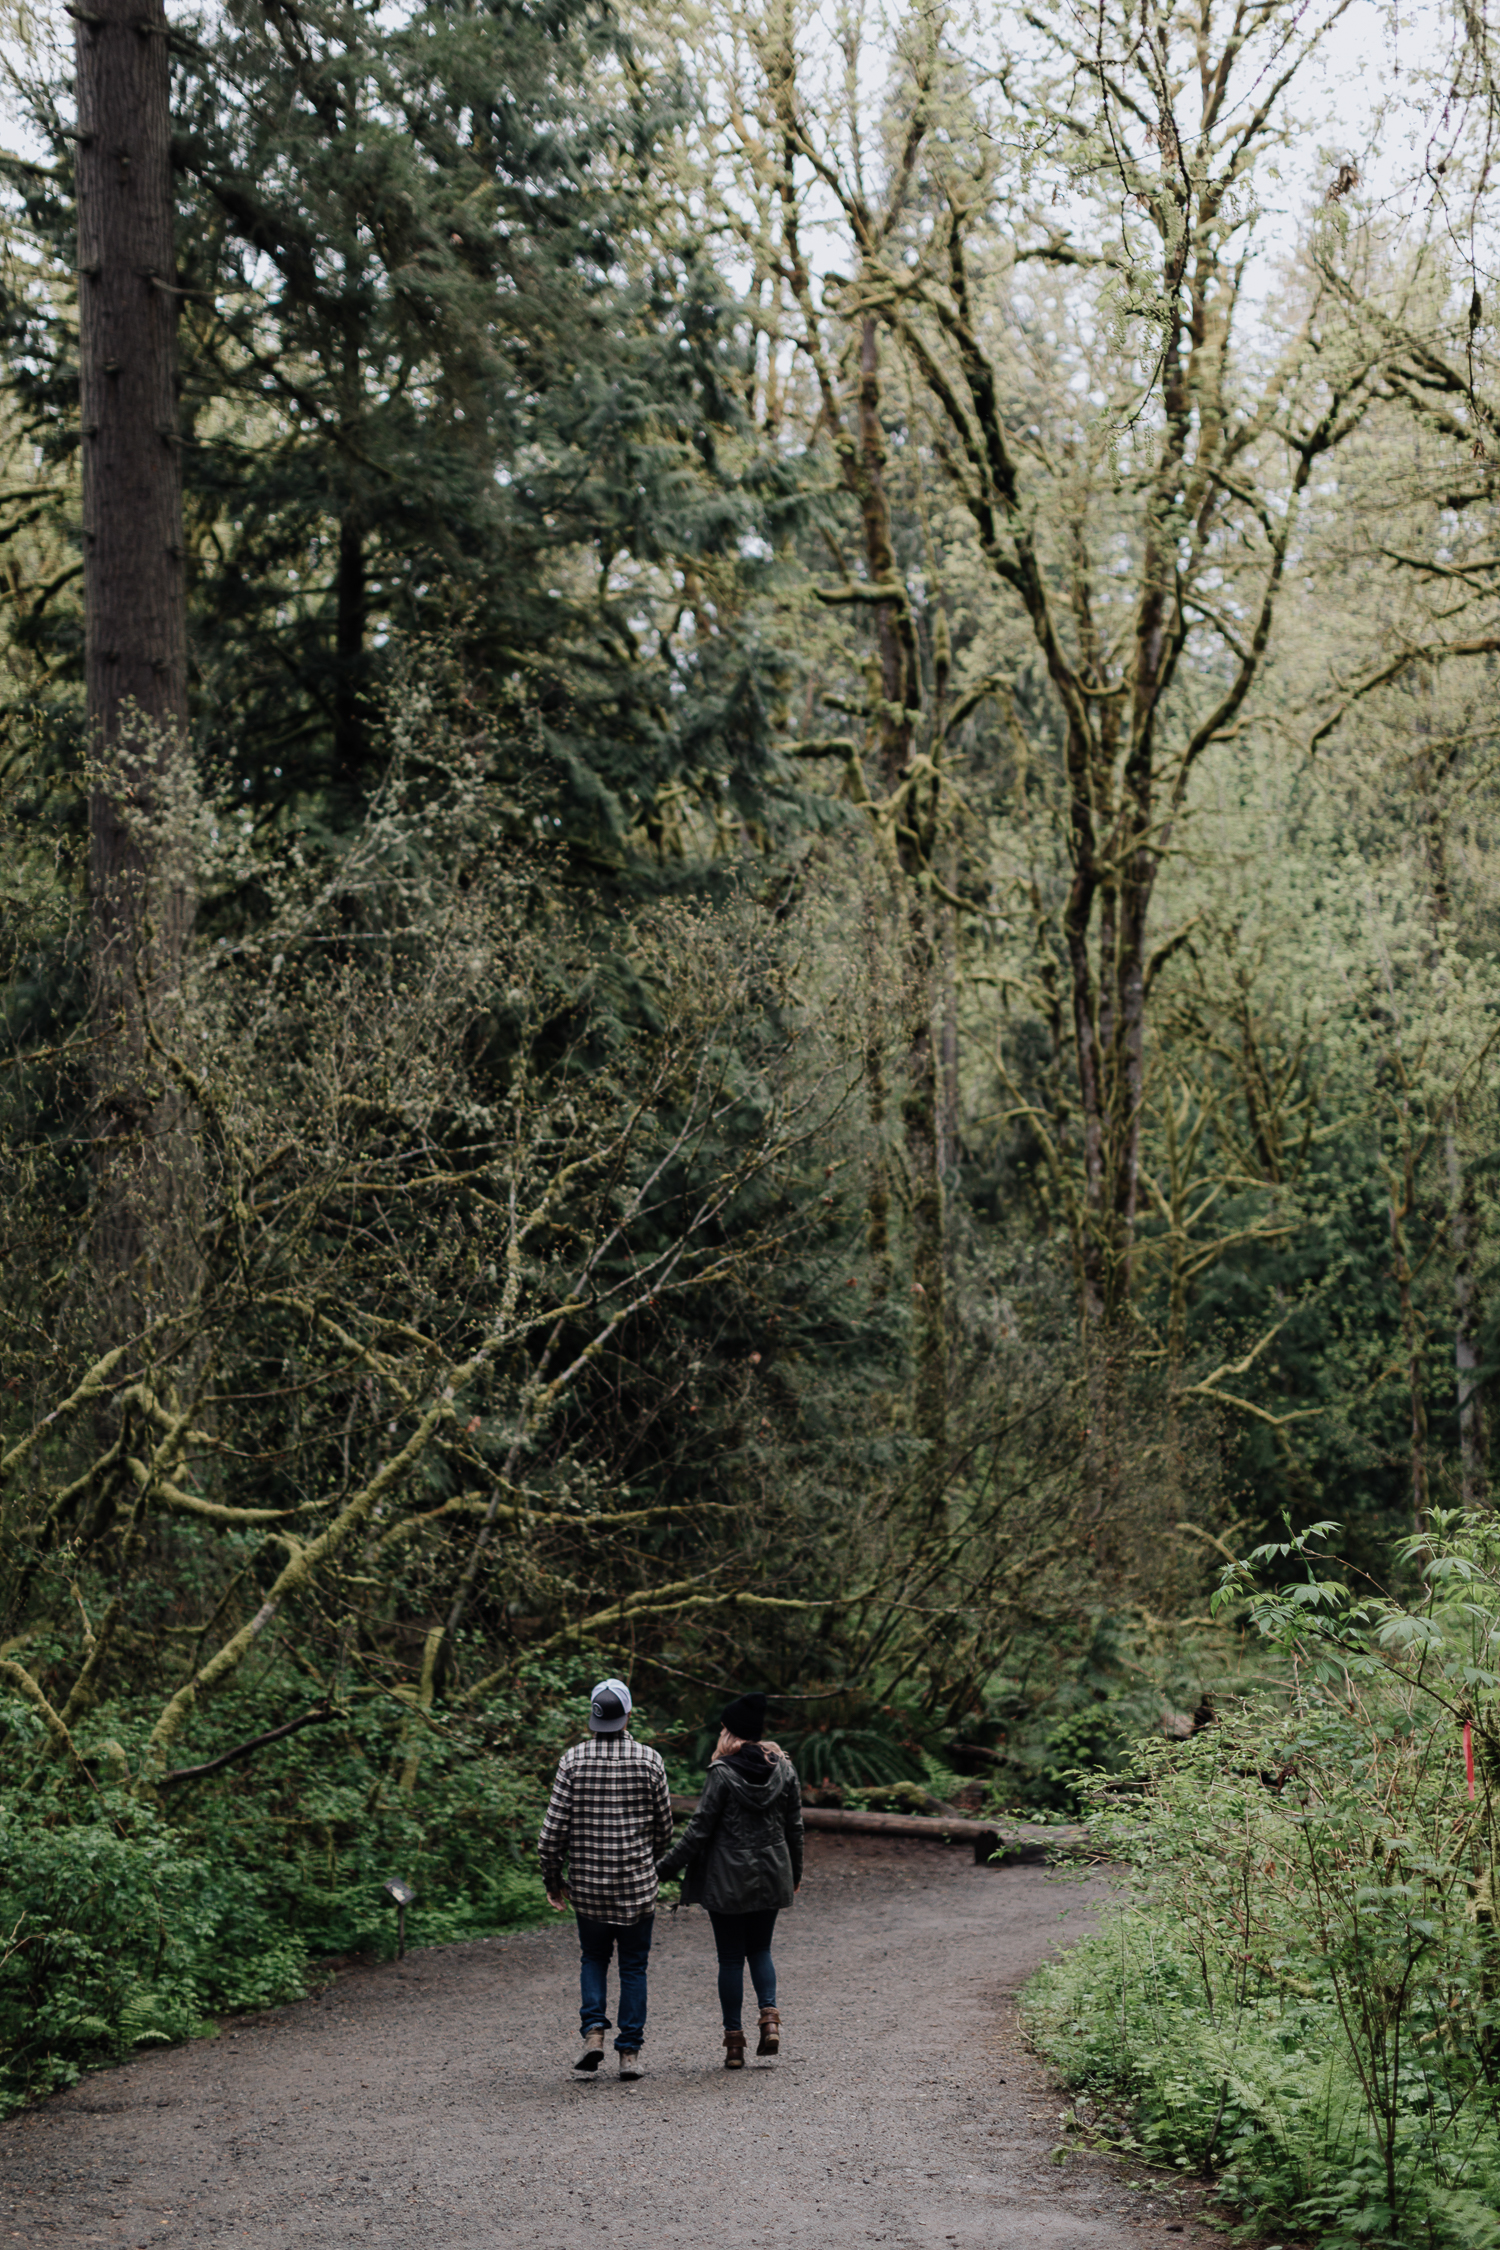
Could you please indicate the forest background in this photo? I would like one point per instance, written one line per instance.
(748, 917)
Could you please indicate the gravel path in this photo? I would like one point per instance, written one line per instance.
(431, 2104)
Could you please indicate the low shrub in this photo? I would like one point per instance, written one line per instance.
(104, 1921)
(128, 1917)
(1303, 1992)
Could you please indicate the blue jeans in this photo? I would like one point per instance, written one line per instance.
(739, 1938)
(597, 1941)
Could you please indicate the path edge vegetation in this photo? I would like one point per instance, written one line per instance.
(1300, 1997)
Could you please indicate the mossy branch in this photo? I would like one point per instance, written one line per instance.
(526, 1517)
(29, 1688)
(189, 1503)
(97, 1644)
(664, 1601)
(305, 1563)
(95, 1384)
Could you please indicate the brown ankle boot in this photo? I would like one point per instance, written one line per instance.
(770, 2032)
(734, 2050)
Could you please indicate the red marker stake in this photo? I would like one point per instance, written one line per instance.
(1469, 1754)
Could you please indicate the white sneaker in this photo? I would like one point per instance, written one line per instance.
(630, 2062)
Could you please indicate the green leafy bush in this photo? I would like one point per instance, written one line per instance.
(124, 1920)
(104, 1922)
(1304, 1993)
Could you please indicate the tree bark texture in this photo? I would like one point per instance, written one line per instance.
(350, 627)
(135, 626)
(1473, 1432)
(914, 823)
(878, 1196)
(949, 1142)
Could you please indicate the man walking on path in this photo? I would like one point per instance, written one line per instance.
(610, 1819)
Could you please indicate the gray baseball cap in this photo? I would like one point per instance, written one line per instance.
(609, 1707)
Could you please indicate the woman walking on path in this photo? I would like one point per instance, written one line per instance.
(743, 1853)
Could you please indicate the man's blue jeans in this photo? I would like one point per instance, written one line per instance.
(597, 1941)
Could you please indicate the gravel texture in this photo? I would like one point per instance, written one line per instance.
(431, 2102)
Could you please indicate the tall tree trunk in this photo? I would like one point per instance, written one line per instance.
(878, 1197)
(949, 1139)
(920, 1114)
(349, 652)
(914, 843)
(1473, 1432)
(1401, 1203)
(135, 646)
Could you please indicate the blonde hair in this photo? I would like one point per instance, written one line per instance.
(728, 1744)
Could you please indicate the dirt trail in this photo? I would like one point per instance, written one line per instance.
(431, 2104)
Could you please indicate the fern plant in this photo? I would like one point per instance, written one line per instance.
(853, 1757)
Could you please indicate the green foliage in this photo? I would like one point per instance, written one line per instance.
(126, 1920)
(451, 361)
(1306, 1993)
(870, 1755)
(553, 1278)
(105, 1921)
(1072, 1704)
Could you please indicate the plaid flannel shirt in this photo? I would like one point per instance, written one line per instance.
(610, 1818)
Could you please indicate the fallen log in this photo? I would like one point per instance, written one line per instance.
(1014, 1839)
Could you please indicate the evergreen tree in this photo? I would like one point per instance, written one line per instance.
(449, 362)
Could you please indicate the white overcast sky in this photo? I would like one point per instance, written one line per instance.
(1374, 95)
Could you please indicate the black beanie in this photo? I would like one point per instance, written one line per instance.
(745, 1716)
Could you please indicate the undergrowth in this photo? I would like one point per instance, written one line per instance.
(1303, 1993)
(128, 1918)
